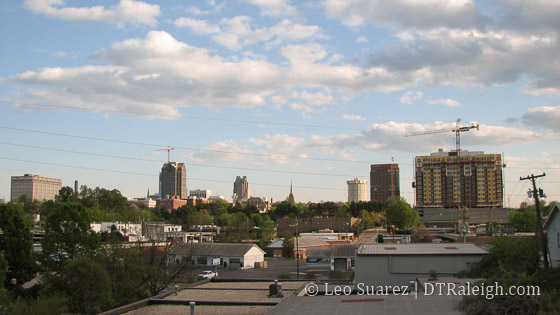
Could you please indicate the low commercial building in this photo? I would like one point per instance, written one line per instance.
(306, 225)
(398, 264)
(229, 255)
(338, 257)
(172, 203)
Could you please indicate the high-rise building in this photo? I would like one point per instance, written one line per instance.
(35, 187)
(173, 180)
(241, 190)
(384, 181)
(357, 190)
(454, 179)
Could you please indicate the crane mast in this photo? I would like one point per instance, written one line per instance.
(168, 149)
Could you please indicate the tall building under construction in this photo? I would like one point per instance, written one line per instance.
(384, 181)
(458, 179)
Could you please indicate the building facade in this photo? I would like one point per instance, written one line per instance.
(200, 193)
(35, 187)
(241, 189)
(384, 181)
(459, 179)
(357, 190)
(173, 180)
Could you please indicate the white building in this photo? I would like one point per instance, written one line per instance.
(200, 193)
(35, 187)
(231, 255)
(552, 228)
(398, 264)
(357, 190)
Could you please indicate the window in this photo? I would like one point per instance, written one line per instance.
(201, 261)
(234, 261)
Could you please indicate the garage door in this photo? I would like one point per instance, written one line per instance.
(340, 264)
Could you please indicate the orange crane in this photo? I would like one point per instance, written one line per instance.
(168, 149)
(457, 130)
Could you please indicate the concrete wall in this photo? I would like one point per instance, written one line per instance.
(399, 270)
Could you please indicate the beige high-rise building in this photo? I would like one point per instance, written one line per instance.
(35, 187)
(357, 190)
(459, 179)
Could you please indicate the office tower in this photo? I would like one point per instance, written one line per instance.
(454, 179)
(35, 187)
(173, 180)
(241, 189)
(384, 181)
(357, 190)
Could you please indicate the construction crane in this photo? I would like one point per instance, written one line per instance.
(168, 149)
(457, 130)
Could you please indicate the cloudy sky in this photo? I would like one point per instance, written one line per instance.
(308, 92)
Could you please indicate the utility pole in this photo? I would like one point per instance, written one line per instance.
(539, 232)
(297, 251)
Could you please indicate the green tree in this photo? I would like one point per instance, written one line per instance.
(519, 256)
(68, 235)
(523, 220)
(3, 271)
(87, 285)
(66, 194)
(266, 232)
(17, 243)
(367, 221)
(400, 213)
(288, 246)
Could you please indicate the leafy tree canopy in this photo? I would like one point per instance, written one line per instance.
(400, 213)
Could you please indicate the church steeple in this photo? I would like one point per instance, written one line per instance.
(291, 196)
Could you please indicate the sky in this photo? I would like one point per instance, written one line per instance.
(302, 93)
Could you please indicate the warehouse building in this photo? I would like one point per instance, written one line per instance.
(398, 264)
(230, 255)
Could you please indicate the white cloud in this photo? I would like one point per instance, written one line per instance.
(131, 12)
(362, 39)
(410, 97)
(546, 117)
(459, 43)
(385, 137)
(275, 8)
(447, 102)
(198, 26)
(238, 32)
(352, 117)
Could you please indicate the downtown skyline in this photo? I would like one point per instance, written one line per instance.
(307, 92)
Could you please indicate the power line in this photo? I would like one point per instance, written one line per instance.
(152, 175)
(181, 116)
(188, 163)
(185, 148)
(255, 122)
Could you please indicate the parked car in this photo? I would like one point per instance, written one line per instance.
(207, 275)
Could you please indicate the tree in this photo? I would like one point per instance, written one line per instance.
(266, 232)
(17, 243)
(288, 246)
(519, 256)
(68, 235)
(401, 214)
(87, 285)
(66, 194)
(523, 220)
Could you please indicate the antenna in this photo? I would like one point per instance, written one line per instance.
(168, 149)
